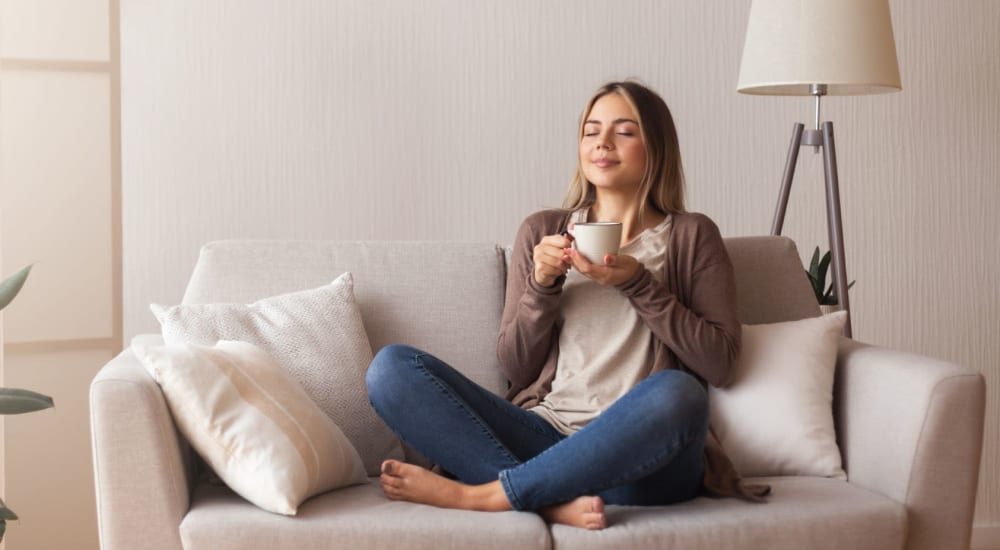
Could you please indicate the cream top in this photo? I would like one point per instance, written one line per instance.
(604, 347)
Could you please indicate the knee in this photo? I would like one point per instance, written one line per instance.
(386, 371)
(684, 396)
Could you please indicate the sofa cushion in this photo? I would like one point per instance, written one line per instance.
(771, 284)
(448, 304)
(353, 517)
(776, 415)
(801, 512)
(318, 336)
(253, 423)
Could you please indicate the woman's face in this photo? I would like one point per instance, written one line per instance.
(612, 153)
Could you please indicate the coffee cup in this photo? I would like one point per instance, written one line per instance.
(596, 240)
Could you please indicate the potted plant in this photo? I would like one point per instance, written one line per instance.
(15, 401)
(818, 268)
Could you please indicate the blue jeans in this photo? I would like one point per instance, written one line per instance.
(646, 449)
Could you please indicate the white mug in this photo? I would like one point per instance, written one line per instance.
(596, 240)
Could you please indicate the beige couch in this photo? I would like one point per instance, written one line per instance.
(909, 427)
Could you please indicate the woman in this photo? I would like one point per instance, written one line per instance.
(607, 361)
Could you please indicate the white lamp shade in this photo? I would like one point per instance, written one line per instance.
(845, 44)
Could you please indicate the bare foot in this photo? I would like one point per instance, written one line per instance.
(585, 512)
(412, 483)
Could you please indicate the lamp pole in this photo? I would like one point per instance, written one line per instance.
(819, 137)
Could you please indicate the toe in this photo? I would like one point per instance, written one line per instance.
(391, 487)
(389, 480)
(597, 522)
(597, 505)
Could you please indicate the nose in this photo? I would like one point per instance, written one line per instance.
(604, 141)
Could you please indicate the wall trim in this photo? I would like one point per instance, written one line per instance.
(115, 65)
(42, 346)
(57, 65)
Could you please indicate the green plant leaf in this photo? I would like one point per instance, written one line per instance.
(824, 267)
(12, 285)
(819, 268)
(817, 285)
(829, 299)
(15, 401)
(6, 513)
(817, 273)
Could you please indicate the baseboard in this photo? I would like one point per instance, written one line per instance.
(986, 537)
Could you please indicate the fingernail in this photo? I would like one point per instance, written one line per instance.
(387, 468)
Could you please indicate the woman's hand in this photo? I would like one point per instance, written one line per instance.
(616, 269)
(551, 259)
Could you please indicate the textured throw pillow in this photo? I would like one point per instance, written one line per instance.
(318, 337)
(776, 417)
(252, 423)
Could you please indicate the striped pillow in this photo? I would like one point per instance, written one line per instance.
(317, 336)
(253, 423)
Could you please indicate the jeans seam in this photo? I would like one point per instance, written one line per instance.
(472, 415)
(508, 489)
(521, 421)
(506, 413)
(625, 479)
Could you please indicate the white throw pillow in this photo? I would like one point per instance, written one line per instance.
(316, 335)
(776, 417)
(252, 423)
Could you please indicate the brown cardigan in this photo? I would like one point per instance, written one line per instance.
(692, 315)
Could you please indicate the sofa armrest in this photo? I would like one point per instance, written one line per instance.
(142, 467)
(911, 428)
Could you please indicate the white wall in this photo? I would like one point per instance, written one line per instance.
(450, 119)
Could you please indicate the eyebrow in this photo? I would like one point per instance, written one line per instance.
(615, 121)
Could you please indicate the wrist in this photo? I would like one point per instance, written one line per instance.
(554, 287)
(545, 282)
(634, 281)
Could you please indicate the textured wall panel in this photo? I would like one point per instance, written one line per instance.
(448, 119)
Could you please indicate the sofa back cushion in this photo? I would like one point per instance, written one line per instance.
(447, 297)
(444, 298)
(771, 283)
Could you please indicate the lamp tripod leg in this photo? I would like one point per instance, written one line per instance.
(786, 179)
(834, 225)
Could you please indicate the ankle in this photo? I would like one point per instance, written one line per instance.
(489, 497)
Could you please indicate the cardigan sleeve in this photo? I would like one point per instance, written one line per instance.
(698, 322)
(530, 315)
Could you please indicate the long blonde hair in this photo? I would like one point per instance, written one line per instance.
(662, 184)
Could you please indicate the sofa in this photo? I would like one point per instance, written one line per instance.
(908, 428)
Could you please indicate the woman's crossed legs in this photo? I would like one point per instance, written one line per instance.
(646, 449)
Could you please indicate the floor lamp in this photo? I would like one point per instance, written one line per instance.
(817, 48)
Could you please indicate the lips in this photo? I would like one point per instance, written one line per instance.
(604, 162)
